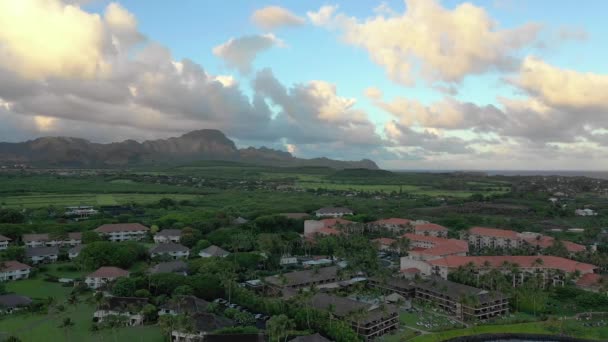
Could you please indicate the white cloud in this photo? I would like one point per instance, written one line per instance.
(43, 38)
(428, 39)
(274, 17)
(239, 53)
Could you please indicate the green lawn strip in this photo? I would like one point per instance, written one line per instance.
(44, 200)
(106, 199)
(38, 288)
(58, 270)
(403, 334)
(42, 327)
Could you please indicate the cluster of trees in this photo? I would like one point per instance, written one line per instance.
(105, 253)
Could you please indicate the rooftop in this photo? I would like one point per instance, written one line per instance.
(216, 251)
(41, 251)
(502, 233)
(186, 304)
(310, 338)
(169, 267)
(121, 227)
(546, 261)
(342, 307)
(35, 237)
(8, 266)
(4, 238)
(208, 322)
(14, 300)
(168, 248)
(457, 291)
(430, 227)
(109, 272)
(385, 241)
(332, 222)
(544, 241)
(303, 277)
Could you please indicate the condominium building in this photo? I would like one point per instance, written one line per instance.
(123, 231)
(104, 275)
(168, 235)
(13, 270)
(4, 241)
(171, 250)
(483, 237)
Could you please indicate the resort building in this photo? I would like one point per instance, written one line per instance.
(213, 251)
(42, 255)
(333, 212)
(123, 231)
(392, 224)
(171, 250)
(128, 307)
(168, 235)
(482, 237)
(4, 241)
(430, 229)
(104, 275)
(306, 278)
(13, 270)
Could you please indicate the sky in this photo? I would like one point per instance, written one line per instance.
(415, 84)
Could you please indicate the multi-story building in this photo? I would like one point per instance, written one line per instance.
(4, 241)
(430, 229)
(541, 242)
(13, 270)
(42, 255)
(183, 305)
(128, 307)
(393, 224)
(80, 211)
(168, 235)
(45, 240)
(333, 212)
(306, 278)
(548, 269)
(170, 249)
(423, 247)
(205, 323)
(104, 275)
(464, 302)
(123, 231)
(386, 244)
(482, 237)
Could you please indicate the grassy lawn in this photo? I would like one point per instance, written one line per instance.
(427, 320)
(38, 288)
(41, 327)
(61, 270)
(43, 200)
(404, 334)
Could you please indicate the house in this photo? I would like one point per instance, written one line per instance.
(464, 302)
(73, 239)
(392, 224)
(42, 255)
(550, 269)
(288, 260)
(74, 251)
(128, 307)
(213, 251)
(585, 212)
(4, 242)
(333, 212)
(104, 275)
(178, 267)
(483, 237)
(204, 324)
(10, 303)
(306, 278)
(168, 235)
(169, 249)
(13, 270)
(183, 305)
(431, 229)
(39, 240)
(123, 231)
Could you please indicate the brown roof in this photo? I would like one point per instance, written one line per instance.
(342, 307)
(109, 272)
(7, 266)
(35, 237)
(545, 241)
(310, 338)
(121, 227)
(430, 227)
(526, 261)
(4, 238)
(75, 236)
(502, 233)
(332, 222)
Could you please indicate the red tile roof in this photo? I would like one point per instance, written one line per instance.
(410, 270)
(440, 247)
(121, 227)
(503, 233)
(589, 280)
(332, 222)
(547, 241)
(8, 266)
(109, 272)
(424, 238)
(430, 227)
(385, 241)
(392, 221)
(548, 261)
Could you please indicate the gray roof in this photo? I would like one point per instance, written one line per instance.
(41, 251)
(457, 291)
(342, 307)
(14, 300)
(169, 267)
(331, 210)
(304, 277)
(186, 305)
(170, 232)
(310, 338)
(214, 250)
(168, 248)
(240, 220)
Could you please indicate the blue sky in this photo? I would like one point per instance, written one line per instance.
(312, 81)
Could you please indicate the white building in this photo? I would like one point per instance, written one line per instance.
(123, 231)
(128, 307)
(585, 212)
(42, 255)
(13, 270)
(4, 242)
(333, 212)
(168, 235)
(45, 240)
(104, 275)
(482, 237)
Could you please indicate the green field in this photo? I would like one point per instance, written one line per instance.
(412, 189)
(61, 200)
(41, 327)
(37, 288)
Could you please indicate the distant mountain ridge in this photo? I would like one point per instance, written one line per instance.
(205, 144)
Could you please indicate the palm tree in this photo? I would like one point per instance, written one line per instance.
(66, 324)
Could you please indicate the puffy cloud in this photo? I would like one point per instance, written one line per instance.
(42, 38)
(447, 45)
(239, 53)
(274, 17)
(373, 93)
(559, 87)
